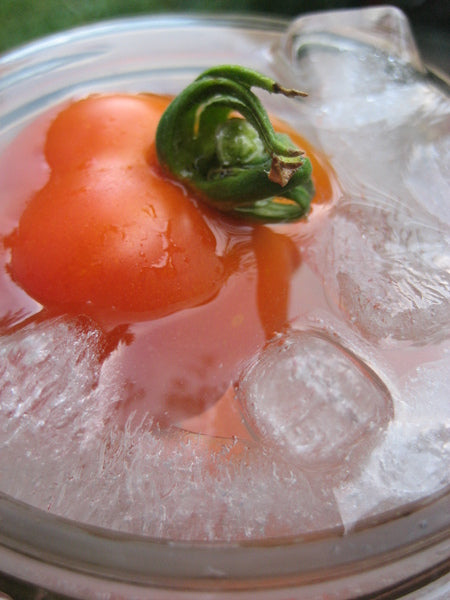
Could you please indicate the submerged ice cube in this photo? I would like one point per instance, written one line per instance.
(315, 402)
(387, 270)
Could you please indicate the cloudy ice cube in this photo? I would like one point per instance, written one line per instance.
(380, 34)
(384, 254)
(314, 402)
(411, 464)
(44, 366)
(388, 271)
(359, 67)
(384, 124)
(49, 374)
(413, 460)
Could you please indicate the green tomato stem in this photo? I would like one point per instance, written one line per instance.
(239, 166)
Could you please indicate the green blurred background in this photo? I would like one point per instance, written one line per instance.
(25, 20)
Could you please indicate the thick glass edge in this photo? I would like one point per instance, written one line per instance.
(173, 20)
(135, 559)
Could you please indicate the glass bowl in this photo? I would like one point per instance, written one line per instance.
(366, 82)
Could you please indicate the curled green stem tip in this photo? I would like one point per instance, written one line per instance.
(216, 138)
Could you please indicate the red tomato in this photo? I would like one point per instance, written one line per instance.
(107, 231)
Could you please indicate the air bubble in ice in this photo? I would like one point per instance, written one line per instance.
(314, 401)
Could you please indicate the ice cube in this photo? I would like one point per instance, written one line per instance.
(358, 66)
(413, 460)
(384, 123)
(315, 402)
(425, 392)
(49, 373)
(378, 116)
(387, 270)
(410, 465)
(43, 365)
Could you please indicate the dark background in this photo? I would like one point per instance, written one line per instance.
(24, 20)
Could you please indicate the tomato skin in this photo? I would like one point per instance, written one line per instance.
(112, 129)
(107, 231)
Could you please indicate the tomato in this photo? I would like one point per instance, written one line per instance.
(107, 231)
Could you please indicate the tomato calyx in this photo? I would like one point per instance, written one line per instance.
(237, 165)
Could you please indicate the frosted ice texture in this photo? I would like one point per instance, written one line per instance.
(414, 457)
(62, 450)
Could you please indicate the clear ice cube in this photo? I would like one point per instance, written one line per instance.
(314, 402)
